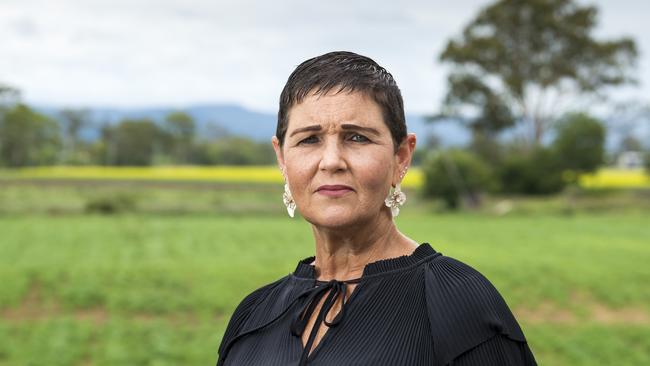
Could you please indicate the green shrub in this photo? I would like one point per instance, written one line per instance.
(111, 204)
(455, 174)
(538, 171)
(580, 142)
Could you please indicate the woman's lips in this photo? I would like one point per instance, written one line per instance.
(334, 191)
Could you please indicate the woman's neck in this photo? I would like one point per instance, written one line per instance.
(343, 254)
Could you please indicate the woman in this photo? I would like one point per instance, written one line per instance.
(370, 295)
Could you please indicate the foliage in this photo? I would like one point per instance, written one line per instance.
(630, 143)
(580, 142)
(72, 121)
(30, 138)
(132, 142)
(487, 147)
(181, 129)
(455, 174)
(518, 60)
(111, 204)
(27, 137)
(234, 151)
(538, 171)
(9, 96)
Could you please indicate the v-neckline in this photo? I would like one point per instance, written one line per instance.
(306, 270)
(326, 335)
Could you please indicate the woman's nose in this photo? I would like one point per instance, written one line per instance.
(332, 158)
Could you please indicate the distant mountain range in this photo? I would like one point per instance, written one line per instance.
(222, 119)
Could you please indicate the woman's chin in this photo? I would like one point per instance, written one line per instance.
(334, 217)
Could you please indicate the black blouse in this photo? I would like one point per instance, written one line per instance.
(421, 309)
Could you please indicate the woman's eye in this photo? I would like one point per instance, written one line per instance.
(359, 138)
(309, 140)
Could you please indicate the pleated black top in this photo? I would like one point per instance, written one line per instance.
(420, 309)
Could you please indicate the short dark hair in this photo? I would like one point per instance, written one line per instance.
(348, 72)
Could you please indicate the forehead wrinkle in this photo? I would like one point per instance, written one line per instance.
(334, 120)
(330, 127)
(331, 113)
(327, 121)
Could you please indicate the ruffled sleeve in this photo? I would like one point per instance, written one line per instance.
(471, 323)
(497, 351)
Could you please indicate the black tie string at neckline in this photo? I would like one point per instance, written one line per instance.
(314, 295)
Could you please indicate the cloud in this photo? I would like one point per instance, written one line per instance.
(126, 53)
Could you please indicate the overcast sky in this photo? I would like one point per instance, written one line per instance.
(182, 52)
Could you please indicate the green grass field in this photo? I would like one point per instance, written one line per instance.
(144, 289)
(155, 282)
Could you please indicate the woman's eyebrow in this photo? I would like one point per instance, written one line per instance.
(308, 128)
(345, 126)
(350, 126)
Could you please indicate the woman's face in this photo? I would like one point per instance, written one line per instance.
(340, 139)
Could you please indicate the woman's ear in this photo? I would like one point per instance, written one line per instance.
(278, 153)
(403, 156)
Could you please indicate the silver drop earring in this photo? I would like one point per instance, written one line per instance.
(396, 198)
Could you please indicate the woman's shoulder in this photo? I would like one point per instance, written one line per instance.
(245, 310)
(250, 300)
(465, 309)
(448, 271)
(260, 292)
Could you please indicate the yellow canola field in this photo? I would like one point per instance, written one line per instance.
(604, 178)
(268, 174)
(616, 178)
(241, 174)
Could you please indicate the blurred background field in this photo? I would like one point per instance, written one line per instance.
(232, 189)
(140, 199)
(606, 178)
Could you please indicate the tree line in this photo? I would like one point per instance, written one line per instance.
(30, 138)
